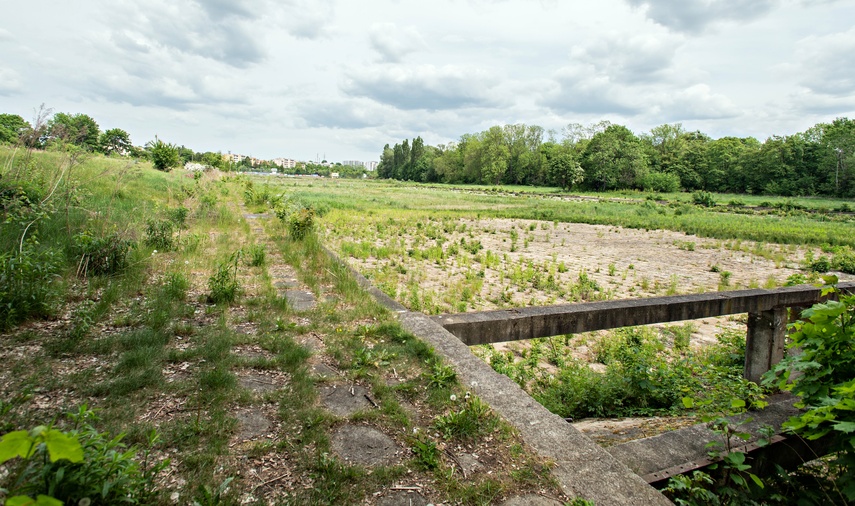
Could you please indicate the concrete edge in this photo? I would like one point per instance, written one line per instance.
(384, 300)
(582, 468)
(677, 447)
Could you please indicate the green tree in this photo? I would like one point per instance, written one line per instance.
(838, 161)
(164, 156)
(385, 168)
(496, 156)
(214, 160)
(115, 140)
(78, 129)
(11, 127)
(614, 159)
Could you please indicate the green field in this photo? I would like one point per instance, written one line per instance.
(153, 306)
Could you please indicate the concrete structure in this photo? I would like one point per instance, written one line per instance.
(582, 468)
(658, 458)
(621, 474)
(767, 318)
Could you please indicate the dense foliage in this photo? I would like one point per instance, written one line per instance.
(819, 161)
(823, 376)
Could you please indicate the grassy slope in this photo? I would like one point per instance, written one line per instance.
(148, 351)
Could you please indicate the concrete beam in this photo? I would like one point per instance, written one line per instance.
(533, 322)
(680, 451)
(764, 342)
(582, 468)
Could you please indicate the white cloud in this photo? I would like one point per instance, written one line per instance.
(422, 87)
(825, 63)
(697, 15)
(394, 43)
(696, 102)
(10, 82)
(629, 58)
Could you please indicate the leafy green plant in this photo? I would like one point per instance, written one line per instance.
(426, 452)
(473, 419)
(224, 286)
(208, 496)
(822, 377)
(100, 255)
(80, 464)
(256, 255)
(158, 234)
(440, 375)
(28, 286)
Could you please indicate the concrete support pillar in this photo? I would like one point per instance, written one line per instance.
(764, 344)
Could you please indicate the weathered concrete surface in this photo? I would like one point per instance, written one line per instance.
(764, 344)
(533, 322)
(582, 468)
(344, 400)
(657, 458)
(384, 300)
(358, 444)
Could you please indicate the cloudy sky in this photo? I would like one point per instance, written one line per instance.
(340, 78)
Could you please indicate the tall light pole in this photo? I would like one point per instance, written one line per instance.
(837, 171)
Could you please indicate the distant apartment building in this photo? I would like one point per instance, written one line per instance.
(371, 165)
(353, 163)
(285, 163)
(233, 158)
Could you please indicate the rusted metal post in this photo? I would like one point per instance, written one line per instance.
(764, 344)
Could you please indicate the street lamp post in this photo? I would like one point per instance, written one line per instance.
(837, 171)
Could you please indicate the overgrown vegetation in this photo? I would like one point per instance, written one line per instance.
(161, 323)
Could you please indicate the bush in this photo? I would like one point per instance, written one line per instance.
(825, 384)
(703, 198)
(301, 223)
(27, 284)
(164, 156)
(100, 255)
(80, 466)
(661, 182)
(223, 286)
(158, 234)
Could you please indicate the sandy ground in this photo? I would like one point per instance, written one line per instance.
(624, 263)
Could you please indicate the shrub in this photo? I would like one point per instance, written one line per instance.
(223, 286)
(100, 255)
(825, 384)
(301, 223)
(158, 234)
(703, 198)
(27, 283)
(164, 156)
(661, 182)
(178, 216)
(821, 265)
(80, 466)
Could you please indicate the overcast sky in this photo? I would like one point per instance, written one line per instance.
(341, 78)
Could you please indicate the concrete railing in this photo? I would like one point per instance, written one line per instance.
(767, 318)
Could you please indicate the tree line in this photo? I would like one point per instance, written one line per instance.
(606, 156)
(82, 131)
